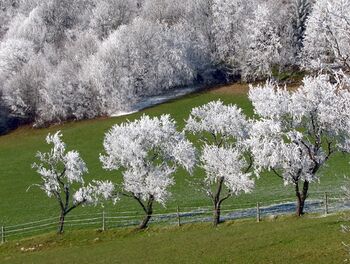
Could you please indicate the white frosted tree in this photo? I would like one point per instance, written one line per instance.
(31, 27)
(297, 132)
(137, 60)
(262, 45)
(8, 9)
(229, 18)
(61, 16)
(108, 15)
(148, 152)
(327, 36)
(300, 12)
(22, 91)
(60, 170)
(288, 19)
(199, 20)
(165, 11)
(13, 55)
(224, 156)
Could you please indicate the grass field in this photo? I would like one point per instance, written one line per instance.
(285, 240)
(17, 153)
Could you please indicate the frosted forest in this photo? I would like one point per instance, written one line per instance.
(70, 60)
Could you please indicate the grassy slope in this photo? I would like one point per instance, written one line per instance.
(17, 151)
(286, 240)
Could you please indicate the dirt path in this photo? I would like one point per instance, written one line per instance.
(242, 88)
(235, 88)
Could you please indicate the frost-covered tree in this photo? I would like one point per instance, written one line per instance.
(60, 170)
(8, 9)
(23, 91)
(327, 36)
(61, 16)
(288, 20)
(137, 60)
(224, 155)
(165, 11)
(300, 11)
(13, 55)
(108, 15)
(229, 18)
(253, 36)
(32, 27)
(262, 45)
(297, 132)
(199, 19)
(148, 152)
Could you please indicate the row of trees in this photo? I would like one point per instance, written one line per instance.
(292, 134)
(63, 59)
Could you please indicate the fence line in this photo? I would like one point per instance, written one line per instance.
(178, 216)
(34, 222)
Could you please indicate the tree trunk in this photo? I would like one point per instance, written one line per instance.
(301, 197)
(216, 219)
(217, 203)
(61, 223)
(299, 206)
(149, 211)
(145, 221)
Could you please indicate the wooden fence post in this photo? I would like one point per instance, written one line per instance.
(178, 216)
(103, 221)
(2, 234)
(258, 212)
(325, 203)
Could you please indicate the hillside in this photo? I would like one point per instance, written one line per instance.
(174, 131)
(18, 149)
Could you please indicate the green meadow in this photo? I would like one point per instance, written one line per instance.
(17, 152)
(285, 240)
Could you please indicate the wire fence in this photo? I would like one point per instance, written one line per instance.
(325, 204)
